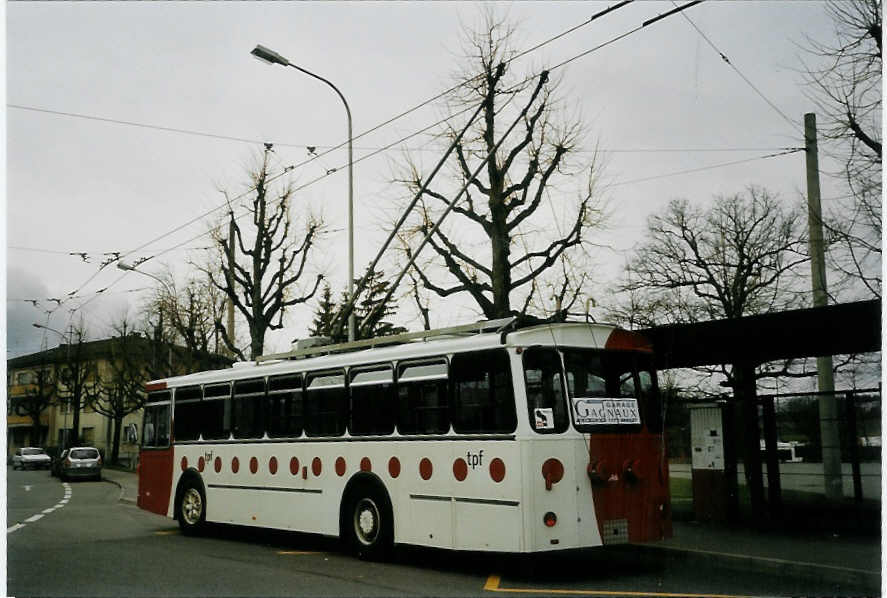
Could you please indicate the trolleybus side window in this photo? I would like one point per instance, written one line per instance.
(545, 390)
(422, 398)
(155, 430)
(216, 424)
(483, 397)
(186, 414)
(247, 408)
(326, 404)
(372, 401)
(285, 406)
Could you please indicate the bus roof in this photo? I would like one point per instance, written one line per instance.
(573, 334)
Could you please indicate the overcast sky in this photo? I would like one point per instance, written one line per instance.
(85, 185)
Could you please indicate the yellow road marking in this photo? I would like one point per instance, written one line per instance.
(166, 532)
(297, 552)
(492, 585)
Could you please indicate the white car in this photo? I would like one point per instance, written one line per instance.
(30, 458)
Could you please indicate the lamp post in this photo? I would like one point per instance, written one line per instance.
(128, 268)
(68, 349)
(271, 57)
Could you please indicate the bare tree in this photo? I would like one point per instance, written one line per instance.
(263, 281)
(181, 321)
(122, 386)
(733, 259)
(503, 205)
(844, 77)
(736, 258)
(41, 394)
(78, 375)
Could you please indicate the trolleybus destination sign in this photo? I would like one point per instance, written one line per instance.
(606, 411)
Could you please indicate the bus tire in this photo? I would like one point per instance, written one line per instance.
(191, 506)
(368, 522)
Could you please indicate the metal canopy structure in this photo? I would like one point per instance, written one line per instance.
(832, 330)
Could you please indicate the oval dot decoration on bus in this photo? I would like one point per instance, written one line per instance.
(552, 472)
(253, 465)
(294, 466)
(184, 463)
(460, 469)
(425, 468)
(218, 464)
(394, 467)
(366, 464)
(272, 465)
(235, 465)
(497, 470)
(201, 463)
(316, 466)
(340, 466)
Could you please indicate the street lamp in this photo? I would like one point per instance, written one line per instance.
(271, 57)
(158, 330)
(68, 341)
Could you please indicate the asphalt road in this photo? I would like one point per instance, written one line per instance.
(93, 545)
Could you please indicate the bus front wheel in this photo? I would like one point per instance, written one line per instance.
(369, 523)
(191, 507)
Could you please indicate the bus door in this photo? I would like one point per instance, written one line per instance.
(560, 510)
(155, 457)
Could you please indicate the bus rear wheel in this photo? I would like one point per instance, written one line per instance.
(191, 507)
(369, 524)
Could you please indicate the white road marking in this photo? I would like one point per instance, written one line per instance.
(38, 516)
(27, 488)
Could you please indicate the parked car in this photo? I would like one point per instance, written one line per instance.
(29, 457)
(80, 462)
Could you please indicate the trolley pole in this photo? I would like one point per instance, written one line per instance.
(828, 409)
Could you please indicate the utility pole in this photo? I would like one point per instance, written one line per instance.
(828, 409)
(230, 325)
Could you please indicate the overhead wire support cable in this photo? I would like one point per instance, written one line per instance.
(385, 148)
(724, 57)
(710, 167)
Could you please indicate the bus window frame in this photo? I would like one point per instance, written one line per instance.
(308, 378)
(146, 409)
(176, 403)
(565, 400)
(391, 394)
(269, 393)
(443, 404)
(456, 409)
(227, 411)
(259, 426)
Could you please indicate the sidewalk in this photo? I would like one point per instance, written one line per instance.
(127, 481)
(818, 557)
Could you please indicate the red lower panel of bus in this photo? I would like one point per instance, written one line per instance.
(629, 481)
(155, 480)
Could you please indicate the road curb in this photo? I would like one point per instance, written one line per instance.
(120, 498)
(745, 563)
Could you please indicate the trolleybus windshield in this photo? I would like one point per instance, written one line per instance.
(611, 391)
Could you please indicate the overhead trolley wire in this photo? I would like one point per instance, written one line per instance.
(724, 57)
(385, 148)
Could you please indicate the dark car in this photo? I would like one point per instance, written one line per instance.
(80, 462)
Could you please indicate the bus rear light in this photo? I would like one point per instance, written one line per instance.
(631, 470)
(550, 519)
(597, 472)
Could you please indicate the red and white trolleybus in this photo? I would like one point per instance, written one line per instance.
(480, 437)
